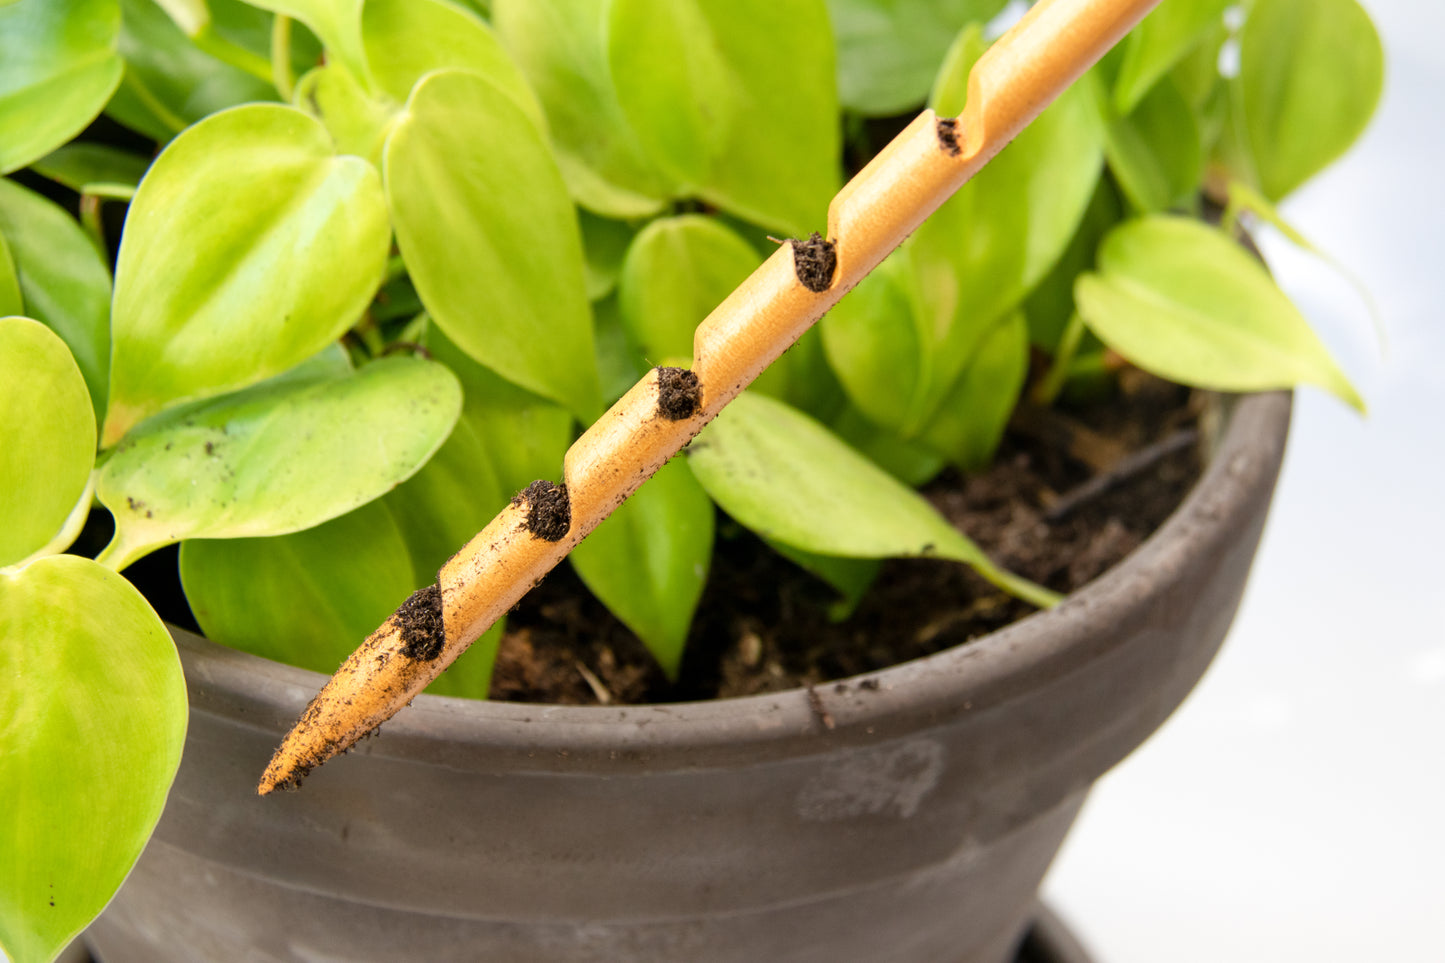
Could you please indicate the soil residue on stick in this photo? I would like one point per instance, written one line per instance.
(420, 621)
(814, 261)
(948, 136)
(679, 393)
(549, 511)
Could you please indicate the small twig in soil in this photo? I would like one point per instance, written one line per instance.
(595, 684)
(1124, 469)
(1058, 430)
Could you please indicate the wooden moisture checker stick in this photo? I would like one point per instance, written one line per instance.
(1054, 43)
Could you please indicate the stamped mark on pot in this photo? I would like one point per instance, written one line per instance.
(871, 782)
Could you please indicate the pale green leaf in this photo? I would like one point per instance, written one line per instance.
(789, 479)
(81, 165)
(910, 462)
(619, 363)
(851, 578)
(92, 720)
(676, 272)
(900, 341)
(1156, 152)
(406, 39)
(1310, 75)
(490, 237)
(737, 102)
(249, 246)
(560, 45)
(1051, 303)
(47, 436)
(524, 436)
(307, 598)
(58, 67)
(453, 497)
(63, 281)
(879, 345)
(325, 589)
(648, 561)
(192, 16)
(604, 243)
(969, 425)
(169, 82)
(982, 252)
(357, 121)
(889, 50)
(1164, 38)
(1182, 300)
(276, 458)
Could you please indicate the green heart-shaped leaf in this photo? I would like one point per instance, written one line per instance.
(1310, 75)
(47, 437)
(276, 458)
(357, 119)
(326, 589)
(889, 50)
(560, 46)
(490, 237)
(1003, 230)
(454, 496)
(789, 479)
(406, 39)
(676, 271)
(880, 344)
(605, 243)
(648, 561)
(735, 101)
(1182, 300)
(970, 423)
(58, 67)
(1164, 37)
(524, 436)
(63, 281)
(900, 341)
(249, 246)
(1156, 152)
(93, 711)
(82, 166)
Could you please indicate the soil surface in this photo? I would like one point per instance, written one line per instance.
(1071, 493)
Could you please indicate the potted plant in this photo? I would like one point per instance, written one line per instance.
(320, 418)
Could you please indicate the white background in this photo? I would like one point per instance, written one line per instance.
(1294, 808)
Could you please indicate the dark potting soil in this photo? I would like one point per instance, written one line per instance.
(678, 393)
(1070, 494)
(814, 262)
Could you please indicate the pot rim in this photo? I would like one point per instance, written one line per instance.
(905, 698)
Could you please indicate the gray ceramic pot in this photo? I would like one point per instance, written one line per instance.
(917, 827)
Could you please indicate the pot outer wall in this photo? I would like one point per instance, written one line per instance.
(916, 828)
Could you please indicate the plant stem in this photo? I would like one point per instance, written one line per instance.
(231, 53)
(90, 219)
(1047, 390)
(281, 73)
(167, 118)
